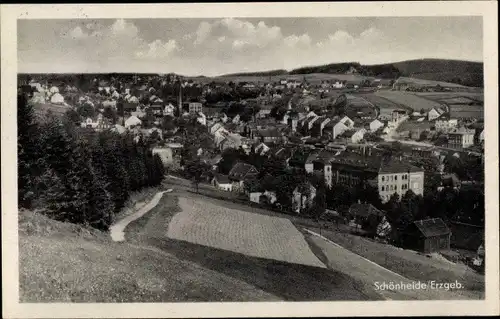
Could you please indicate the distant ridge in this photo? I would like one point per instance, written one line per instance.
(466, 73)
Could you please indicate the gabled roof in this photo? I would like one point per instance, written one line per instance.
(394, 166)
(365, 210)
(432, 227)
(240, 171)
(222, 179)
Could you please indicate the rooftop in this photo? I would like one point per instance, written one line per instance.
(432, 227)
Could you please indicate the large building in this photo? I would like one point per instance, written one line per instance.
(195, 107)
(389, 176)
(461, 138)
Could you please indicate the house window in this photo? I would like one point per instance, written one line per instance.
(396, 177)
(392, 178)
(382, 188)
(383, 178)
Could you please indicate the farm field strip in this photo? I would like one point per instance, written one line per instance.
(251, 234)
(409, 100)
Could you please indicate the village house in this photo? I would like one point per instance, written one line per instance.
(435, 113)
(195, 107)
(375, 125)
(132, 122)
(427, 236)
(445, 125)
(303, 197)
(201, 118)
(100, 123)
(365, 217)
(399, 177)
(265, 197)
(169, 110)
(261, 149)
(461, 138)
(241, 173)
(353, 135)
(319, 125)
(334, 129)
(222, 182)
(269, 136)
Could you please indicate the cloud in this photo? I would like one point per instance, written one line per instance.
(238, 33)
(293, 41)
(119, 41)
(77, 33)
(158, 49)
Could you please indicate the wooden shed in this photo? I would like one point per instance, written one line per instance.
(427, 236)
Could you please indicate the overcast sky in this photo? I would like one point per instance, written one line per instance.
(218, 46)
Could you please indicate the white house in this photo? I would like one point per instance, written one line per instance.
(481, 136)
(169, 110)
(347, 122)
(236, 119)
(303, 196)
(109, 103)
(435, 113)
(257, 197)
(57, 98)
(334, 128)
(222, 182)
(445, 125)
(132, 121)
(262, 149)
(54, 90)
(202, 119)
(375, 125)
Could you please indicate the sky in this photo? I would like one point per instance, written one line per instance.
(212, 47)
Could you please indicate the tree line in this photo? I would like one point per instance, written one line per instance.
(77, 175)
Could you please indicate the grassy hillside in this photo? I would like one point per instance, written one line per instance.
(62, 262)
(453, 71)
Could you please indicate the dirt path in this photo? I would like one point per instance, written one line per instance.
(117, 230)
(374, 275)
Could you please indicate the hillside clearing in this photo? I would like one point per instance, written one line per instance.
(62, 262)
(241, 232)
(408, 100)
(289, 281)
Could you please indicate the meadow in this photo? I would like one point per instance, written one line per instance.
(256, 235)
(408, 100)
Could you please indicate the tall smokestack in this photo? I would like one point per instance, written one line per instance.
(180, 98)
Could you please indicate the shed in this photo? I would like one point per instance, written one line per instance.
(428, 236)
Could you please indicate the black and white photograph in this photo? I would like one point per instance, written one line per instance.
(240, 156)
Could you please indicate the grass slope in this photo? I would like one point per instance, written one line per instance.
(288, 281)
(61, 262)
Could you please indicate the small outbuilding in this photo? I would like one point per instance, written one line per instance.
(427, 236)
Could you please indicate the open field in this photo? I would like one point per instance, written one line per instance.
(466, 111)
(241, 232)
(314, 78)
(424, 82)
(414, 125)
(62, 262)
(287, 281)
(478, 96)
(408, 100)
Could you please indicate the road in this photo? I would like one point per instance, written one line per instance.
(117, 230)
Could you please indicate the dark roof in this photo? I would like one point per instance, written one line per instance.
(364, 210)
(222, 179)
(432, 227)
(269, 133)
(240, 171)
(348, 133)
(394, 166)
(466, 236)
